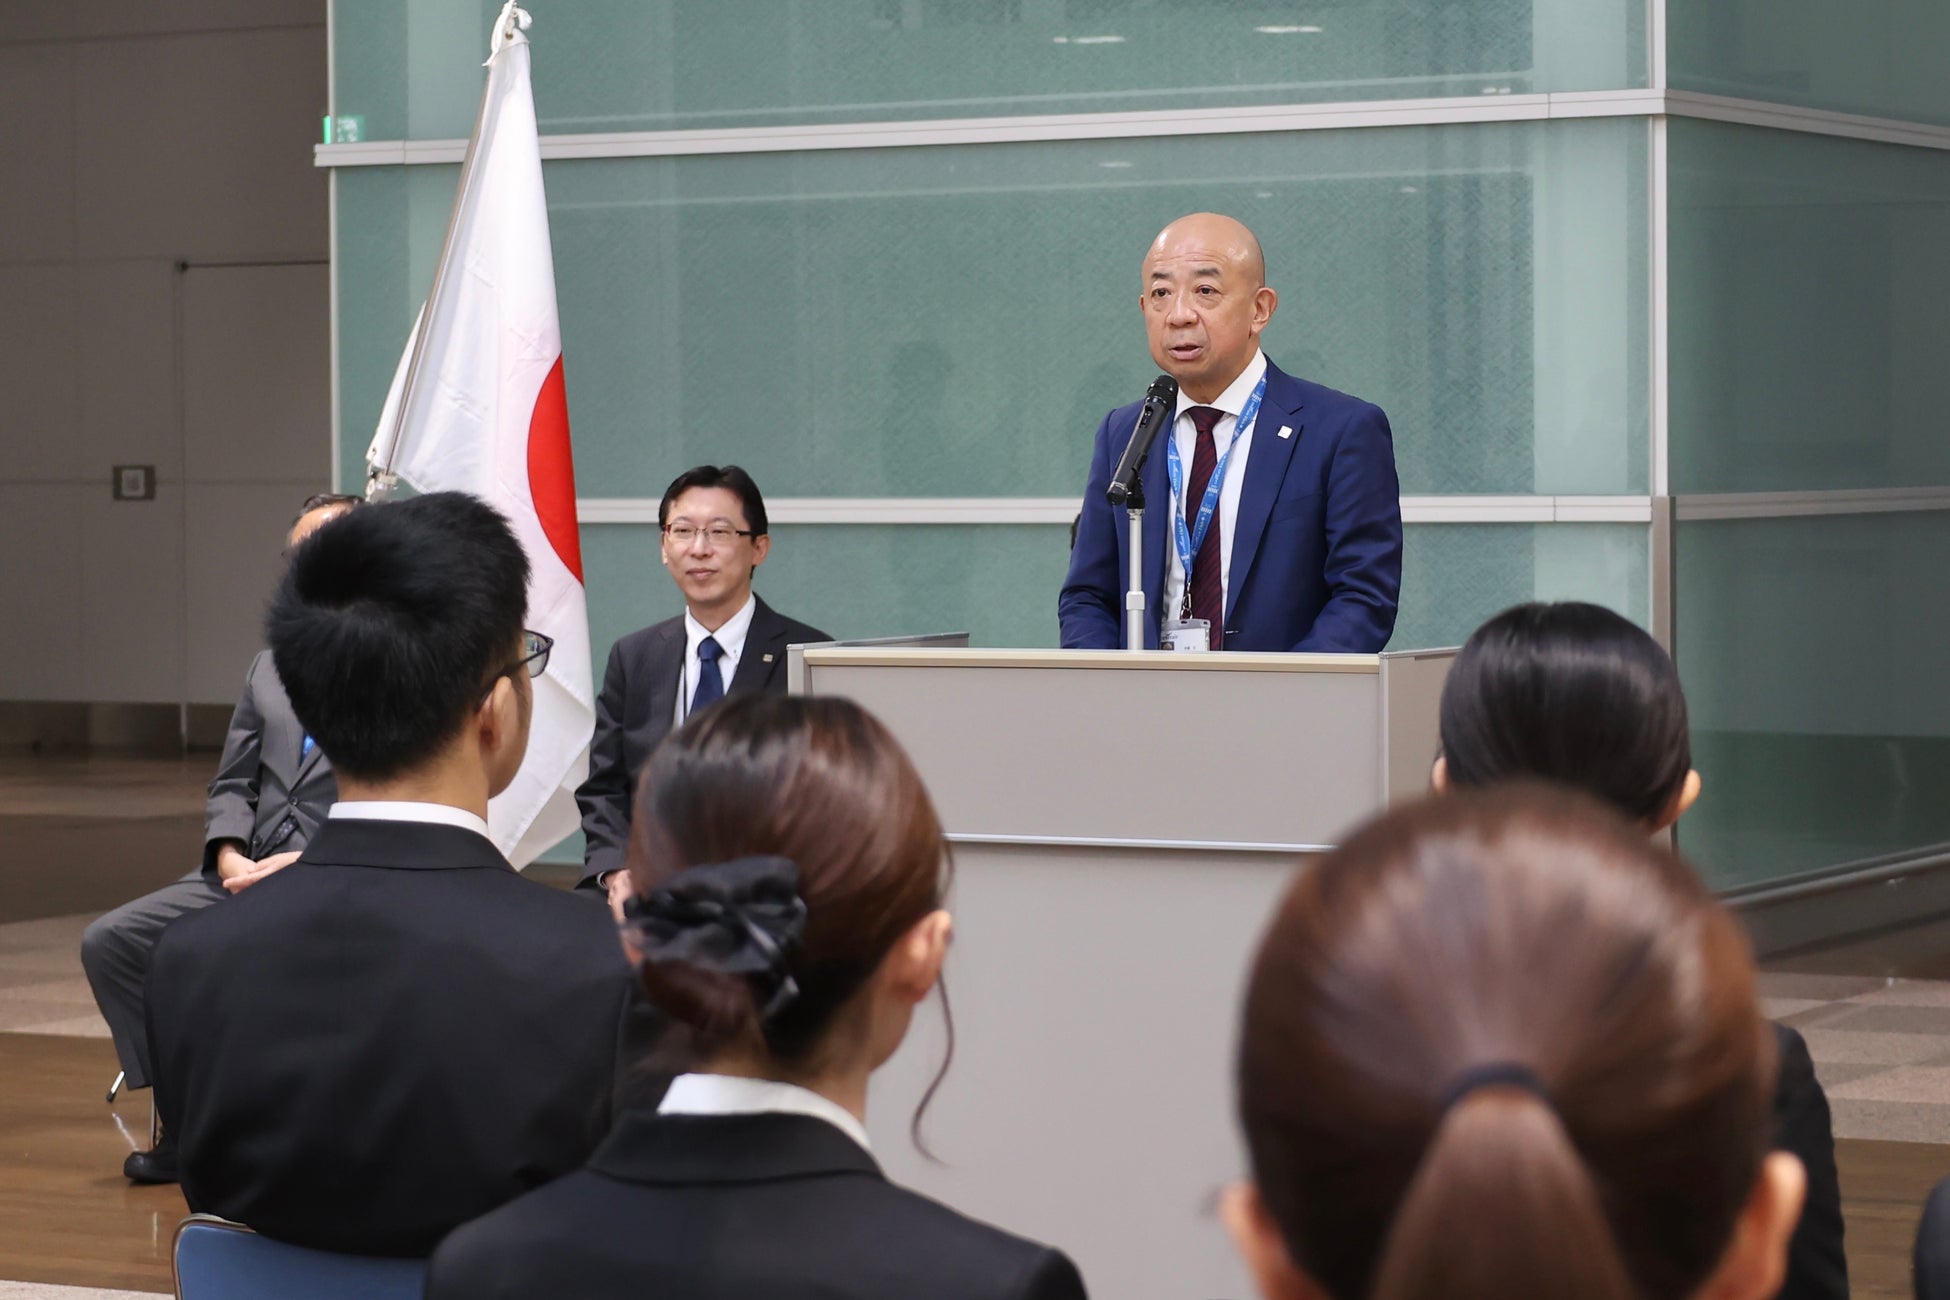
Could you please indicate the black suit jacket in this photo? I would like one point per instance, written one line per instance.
(1817, 1265)
(637, 707)
(391, 1036)
(739, 1207)
(268, 793)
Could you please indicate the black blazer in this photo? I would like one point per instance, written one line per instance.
(636, 708)
(267, 792)
(1817, 1266)
(739, 1207)
(391, 1036)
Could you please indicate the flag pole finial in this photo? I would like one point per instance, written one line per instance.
(512, 21)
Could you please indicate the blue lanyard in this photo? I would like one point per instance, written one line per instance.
(306, 751)
(1191, 538)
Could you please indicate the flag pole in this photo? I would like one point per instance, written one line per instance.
(380, 479)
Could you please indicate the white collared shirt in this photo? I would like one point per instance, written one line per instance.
(725, 1094)
(1231, 401)
(731, 648)
(405, 810)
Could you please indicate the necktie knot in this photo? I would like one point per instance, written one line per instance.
(1205, 419)
(710, 681)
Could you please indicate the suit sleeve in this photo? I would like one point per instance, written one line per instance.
(1363, 514)
(605, 797)
(1817, 1265)
(1092, 598)
(230, 813)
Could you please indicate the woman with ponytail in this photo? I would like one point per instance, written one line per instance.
(789, 873)
(1499, 1046)
(1577, 694)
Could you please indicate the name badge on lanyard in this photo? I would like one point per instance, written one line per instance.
(1186, 632)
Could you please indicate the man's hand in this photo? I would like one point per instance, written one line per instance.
(617, 885)
(231, 861)
(269, 867)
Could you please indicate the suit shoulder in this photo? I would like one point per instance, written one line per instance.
(1307, 395)
(642, 646)
(797, 633)
(935, 1230)
(645, 637)
(562, 911)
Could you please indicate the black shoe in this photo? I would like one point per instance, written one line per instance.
(154, 1166)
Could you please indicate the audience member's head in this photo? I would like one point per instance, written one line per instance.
(397, 633)
(715, 536)
(1572, 693)
(803, 823)
(1501, 1045)
(319, 508)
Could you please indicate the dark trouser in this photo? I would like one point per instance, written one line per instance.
(115, 952)
(1933, 1246)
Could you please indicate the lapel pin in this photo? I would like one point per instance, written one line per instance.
(1286, 431)
(768, 659)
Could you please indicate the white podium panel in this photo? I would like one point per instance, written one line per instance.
(1122, 827)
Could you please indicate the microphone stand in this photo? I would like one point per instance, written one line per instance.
(1134, 596)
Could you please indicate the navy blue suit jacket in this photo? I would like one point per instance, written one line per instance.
(1317, 559)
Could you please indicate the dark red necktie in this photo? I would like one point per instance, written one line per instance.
(1204, 582)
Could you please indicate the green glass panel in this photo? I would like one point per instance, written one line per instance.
(1814, 659)
(1810, 300)
(412, 70)
(1883, 58)
(1455, 576)
(955, 321)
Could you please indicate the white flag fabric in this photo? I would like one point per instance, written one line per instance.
(488, 414)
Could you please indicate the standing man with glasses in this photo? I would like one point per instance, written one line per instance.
(271, 790)
(726, 641)
(397, 1032)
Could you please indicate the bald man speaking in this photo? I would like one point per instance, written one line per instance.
(1273, 517)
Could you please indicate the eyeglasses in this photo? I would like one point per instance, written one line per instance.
(719, 534)
(534, 658)
(534, 654)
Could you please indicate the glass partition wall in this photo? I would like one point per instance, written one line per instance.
(1645, 336)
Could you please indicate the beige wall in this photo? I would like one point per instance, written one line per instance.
(139, 137)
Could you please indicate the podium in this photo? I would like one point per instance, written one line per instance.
(1122, 825)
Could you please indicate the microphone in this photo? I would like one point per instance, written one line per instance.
(1159, 401)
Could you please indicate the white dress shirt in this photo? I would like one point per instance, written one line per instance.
(725, 1094)
(1231, 401)
(731, 648)
(405, 810)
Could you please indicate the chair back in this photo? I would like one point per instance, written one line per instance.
(216, 1259)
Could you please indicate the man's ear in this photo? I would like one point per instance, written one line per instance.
(913, 966)
(1755, 1261)
(499, 717)
(1257, 1239)
(1439, 775)
(761, 547)
(1265, 303)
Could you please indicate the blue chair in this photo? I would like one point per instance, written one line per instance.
(216, 1259)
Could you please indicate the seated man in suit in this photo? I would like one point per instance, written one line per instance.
(397, 1032)
(271, 790)
(727, 641)
(1274, 519)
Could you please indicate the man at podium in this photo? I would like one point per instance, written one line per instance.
(1274, 515)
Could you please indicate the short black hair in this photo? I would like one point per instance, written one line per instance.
(1572, 693)
(391, 621)
(730, 477)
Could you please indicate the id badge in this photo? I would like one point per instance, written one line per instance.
(1188, 634)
